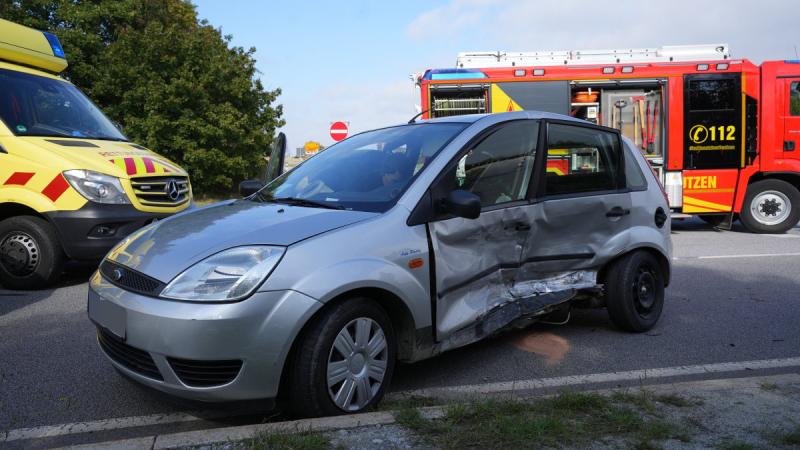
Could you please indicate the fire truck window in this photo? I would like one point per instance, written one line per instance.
(581, 160)
(794, 99)
(499, 168)
(717, 94)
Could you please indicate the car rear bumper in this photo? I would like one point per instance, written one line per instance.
(209, 352)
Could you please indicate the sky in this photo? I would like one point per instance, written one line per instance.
(351, 60)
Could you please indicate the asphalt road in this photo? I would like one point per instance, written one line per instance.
(727, 302)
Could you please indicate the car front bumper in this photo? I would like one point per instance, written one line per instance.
(153, 333)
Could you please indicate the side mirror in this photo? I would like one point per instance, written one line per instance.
(249, 187)
(462, 204)
(118, 126)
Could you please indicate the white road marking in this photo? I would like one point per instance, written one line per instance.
(633, 375)
(506, 386)
(753, 255)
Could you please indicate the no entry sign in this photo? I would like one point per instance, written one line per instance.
(338, 131)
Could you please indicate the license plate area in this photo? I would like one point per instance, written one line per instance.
(108, 315)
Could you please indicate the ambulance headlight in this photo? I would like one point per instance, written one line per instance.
(97, 187)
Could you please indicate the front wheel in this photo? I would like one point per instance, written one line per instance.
(30, 254)
(344, 361)
(635, 291)
(770, 206)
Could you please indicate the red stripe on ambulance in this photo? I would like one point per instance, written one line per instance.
(56, 187)
(19, 178)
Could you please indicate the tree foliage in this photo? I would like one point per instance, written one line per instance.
(175, 83)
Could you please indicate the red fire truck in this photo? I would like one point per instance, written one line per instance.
(723, 134)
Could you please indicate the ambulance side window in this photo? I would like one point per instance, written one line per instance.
(794, 98)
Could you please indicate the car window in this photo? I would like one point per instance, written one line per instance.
(367, 172)
(633, 173)
(581, 159)
(498, 169)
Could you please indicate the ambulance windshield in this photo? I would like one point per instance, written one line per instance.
(33, 105)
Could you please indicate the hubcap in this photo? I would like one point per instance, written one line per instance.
(644, 290)
(770, 207)
(19, 254)
(357, 364)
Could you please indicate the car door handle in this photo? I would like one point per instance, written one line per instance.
(618, 211)
(518, 226)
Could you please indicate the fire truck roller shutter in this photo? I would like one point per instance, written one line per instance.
(550, 96)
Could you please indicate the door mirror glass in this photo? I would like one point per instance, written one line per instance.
(461, 203)
(249, 187)
(277, 158)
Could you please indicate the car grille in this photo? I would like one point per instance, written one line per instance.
(136, 360)
(161, 191)
(205, 373)
(130, 279)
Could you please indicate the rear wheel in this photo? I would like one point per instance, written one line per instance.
(344, 361)
(635, 291)
(770, 206)
(30, 254)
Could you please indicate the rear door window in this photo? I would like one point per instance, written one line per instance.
(581, 159)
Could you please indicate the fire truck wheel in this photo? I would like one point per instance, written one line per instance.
(770, 206)
(30, 255)
(635, 291)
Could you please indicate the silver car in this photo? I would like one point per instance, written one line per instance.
(394, 245)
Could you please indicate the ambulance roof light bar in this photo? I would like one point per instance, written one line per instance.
(23, 45)
(667, 53)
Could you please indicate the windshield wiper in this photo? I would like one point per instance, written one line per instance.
(303, 202)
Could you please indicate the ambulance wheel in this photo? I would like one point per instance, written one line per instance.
(770, 206)
(634, 287)
(30, 255)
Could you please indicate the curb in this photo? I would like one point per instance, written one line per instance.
(239, 433)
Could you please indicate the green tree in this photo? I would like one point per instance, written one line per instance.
(176, 84)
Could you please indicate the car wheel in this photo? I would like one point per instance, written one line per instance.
(635, 291)
(30, 255)
(770, 206)
(344, 361)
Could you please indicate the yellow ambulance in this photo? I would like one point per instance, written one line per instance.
(71, 184)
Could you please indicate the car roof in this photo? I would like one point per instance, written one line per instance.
(472, 118)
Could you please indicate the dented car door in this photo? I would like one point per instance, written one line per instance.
(583, 208)
(477, 259)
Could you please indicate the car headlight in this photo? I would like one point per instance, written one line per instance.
(229, 275)
(97, 187)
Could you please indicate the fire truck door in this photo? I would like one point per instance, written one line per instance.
(791, 118)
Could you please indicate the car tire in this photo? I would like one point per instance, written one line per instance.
(332, 371)
(30, 254)
(635, 291)
(770, 206)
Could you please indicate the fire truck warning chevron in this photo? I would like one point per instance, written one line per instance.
(71, 184)
(722, 133)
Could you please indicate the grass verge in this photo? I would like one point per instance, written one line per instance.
(285, 441)
(570, 418)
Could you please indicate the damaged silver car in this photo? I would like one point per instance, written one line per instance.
(393, 245)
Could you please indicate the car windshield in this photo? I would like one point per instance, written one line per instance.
(367, 172)
(33, 105)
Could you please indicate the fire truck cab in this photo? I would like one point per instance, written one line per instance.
(723, 134)
(71, 184)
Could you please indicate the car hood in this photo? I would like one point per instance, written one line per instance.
(167, 248)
